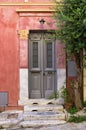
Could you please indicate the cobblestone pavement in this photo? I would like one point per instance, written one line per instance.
(67, 126)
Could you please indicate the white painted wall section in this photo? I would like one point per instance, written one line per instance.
(23, 84)
(61, 78)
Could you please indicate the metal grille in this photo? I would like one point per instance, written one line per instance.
(3, 98)
(35, 54)
(49, 55)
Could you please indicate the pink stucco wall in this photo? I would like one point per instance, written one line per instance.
(13, 50)
(9, 54)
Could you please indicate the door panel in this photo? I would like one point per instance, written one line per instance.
(35, 83)
(34, 66)
(48, 84)
(49, 65)
(42, 66)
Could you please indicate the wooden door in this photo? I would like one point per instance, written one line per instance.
(41, 65)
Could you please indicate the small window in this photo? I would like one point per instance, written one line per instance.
(35, 54)
(49, 55)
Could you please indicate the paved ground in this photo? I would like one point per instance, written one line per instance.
(67, 126)
(11, 120)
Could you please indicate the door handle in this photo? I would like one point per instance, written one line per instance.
(43, 73)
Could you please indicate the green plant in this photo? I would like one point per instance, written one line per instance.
(64, 94)
(1, 127)
(54, 95)
(84, 104)
(85, 110)
(70, 16)
(73, 110)
(77, 119)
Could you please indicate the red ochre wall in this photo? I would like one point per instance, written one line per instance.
(9, 54)
(14, 51)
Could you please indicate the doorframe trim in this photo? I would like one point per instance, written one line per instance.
(55, 79)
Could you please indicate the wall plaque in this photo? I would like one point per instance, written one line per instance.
(71, 68)
(23, 34)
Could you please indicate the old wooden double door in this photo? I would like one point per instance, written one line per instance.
(42, 70)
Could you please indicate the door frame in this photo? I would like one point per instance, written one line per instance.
(55, 79)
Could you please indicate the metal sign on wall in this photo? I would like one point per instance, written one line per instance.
(71, 68)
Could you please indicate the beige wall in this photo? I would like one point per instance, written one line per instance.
(84, 85)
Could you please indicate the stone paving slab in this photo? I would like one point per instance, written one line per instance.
(66, 126)
(10, 118)
(40, 123)
(9, 123)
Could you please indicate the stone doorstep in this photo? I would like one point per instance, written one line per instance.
(11, 115)
(8, 123)
(54, 108)
(52, 119)
(44, 116)
(39, 101)
(11, 119)
(40, 113)
(3, 116)
(39, 123)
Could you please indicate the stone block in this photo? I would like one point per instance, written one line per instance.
(39, 123)
(84, 81)
(84, 93)
(84, 72)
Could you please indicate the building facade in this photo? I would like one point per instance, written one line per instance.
(32, 61)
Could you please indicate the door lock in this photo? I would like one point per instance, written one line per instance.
(44, 74)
